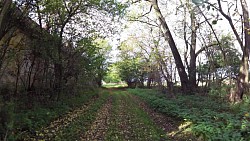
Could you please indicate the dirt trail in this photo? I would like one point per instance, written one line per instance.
(122, 120)
(121, 117)
(99, 127)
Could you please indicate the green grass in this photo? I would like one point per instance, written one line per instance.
(210, 118)
(129, 122)
(28, 121)
(114, 85)
(80, 125)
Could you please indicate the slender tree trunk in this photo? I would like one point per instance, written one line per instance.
(58, 71)
(17, 78)
(149, 80)
(166, 76)
(192, 66)
(168, 37)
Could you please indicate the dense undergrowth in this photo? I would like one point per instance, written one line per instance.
(22, 121)
(209, 118)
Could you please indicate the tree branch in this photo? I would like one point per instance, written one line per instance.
(229, 19)
(136, 20)
(205, 47)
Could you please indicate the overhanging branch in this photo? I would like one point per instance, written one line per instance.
(136, 20)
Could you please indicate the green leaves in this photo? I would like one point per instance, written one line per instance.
(214, 22)
(129, 69)
(112, 74)
(211, 118)
(198, 2)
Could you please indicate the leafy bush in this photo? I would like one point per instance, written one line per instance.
(6, 118)
(212, 119)
(219, 90)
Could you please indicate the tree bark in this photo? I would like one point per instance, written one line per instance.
(5, 10)
(192, 66)
(169, 38)
(242, 85)
(242, 80)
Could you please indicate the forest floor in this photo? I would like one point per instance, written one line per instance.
(115, 115)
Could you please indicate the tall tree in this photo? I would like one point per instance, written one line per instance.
(169, 38)
(242, 85)
(242, 80)
(58, 18)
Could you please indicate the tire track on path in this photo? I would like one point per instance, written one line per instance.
(100, 126)
(130, 122)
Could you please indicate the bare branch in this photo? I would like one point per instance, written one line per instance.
(217, 39)
(146, 12)
(135, 1)
(136, 20)
(204, 48)
(229, 19)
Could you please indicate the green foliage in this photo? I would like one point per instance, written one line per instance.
(223, 62)
(214, 22)
(93, 59)
(115, 85)
(112, 74)
(130, 64)
(6, 119)
(129, 69)
(219, 90)
(112, 6)
(30, 120)
(198, 2)
(211, 118)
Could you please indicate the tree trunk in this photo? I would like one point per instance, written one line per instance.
(131, 84)
(6, 30)
(168, 37)
(4, 16)
(192, 66)
(242, 82)
(58, 81)
(58, 71)
(149, 80)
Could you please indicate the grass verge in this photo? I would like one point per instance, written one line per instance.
(204, 116)
(27, 122)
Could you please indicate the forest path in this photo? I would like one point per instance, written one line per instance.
(116, 115)
(122, 119)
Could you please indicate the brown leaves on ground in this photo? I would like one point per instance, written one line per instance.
(122, 117)
(99, 127)
(49, 132)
